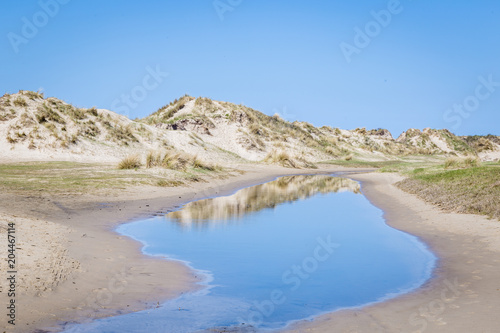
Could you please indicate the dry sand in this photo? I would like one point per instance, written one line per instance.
(464, 293)
(73, 266)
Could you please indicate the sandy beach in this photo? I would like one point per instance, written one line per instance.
(73, 267)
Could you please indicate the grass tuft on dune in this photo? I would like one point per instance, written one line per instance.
(175, 160)
(468, 162)
(130, 162)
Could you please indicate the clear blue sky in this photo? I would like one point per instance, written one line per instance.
(274, 56)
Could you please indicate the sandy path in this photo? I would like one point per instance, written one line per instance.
(463, 295)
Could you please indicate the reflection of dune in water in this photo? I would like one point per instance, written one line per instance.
(253, 199)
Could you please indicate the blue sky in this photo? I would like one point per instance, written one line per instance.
(391, 64)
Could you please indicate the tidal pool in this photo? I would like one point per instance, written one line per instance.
(290, 249)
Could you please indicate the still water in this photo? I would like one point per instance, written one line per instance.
(282, 251)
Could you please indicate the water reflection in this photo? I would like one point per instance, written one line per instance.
(251, 252)
(256, 198)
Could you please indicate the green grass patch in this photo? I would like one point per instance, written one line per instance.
(65, 177)
(473, 190)
(72, 178)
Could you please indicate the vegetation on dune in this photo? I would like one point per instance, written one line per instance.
(471, 190)
(458, 144)
(460, 183)
(120, 134)
(175, 160)
(284, 159)
(264, 129)
(468, 162)
(130, 162)
(53, 123)
(257, 128)
(281, 158)
(262, 133)
(421, 142)
(38, 123)
(21, 102)
(482, 143)
(32, 94)
(205, 104)
(168, 111)
(7, 114)
(45, 114)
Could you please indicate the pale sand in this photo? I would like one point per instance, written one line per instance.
(72, 266)
(464, 292)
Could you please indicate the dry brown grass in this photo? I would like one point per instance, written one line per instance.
(46, 114)
(7, 114)
(166, 112)
(460, 163)
(169, 183)
(284, 159)
(480, 144)
(471, 190)
(175, 160)
(32, 94)
(130, 162)
(281, 158)
(19, 101)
